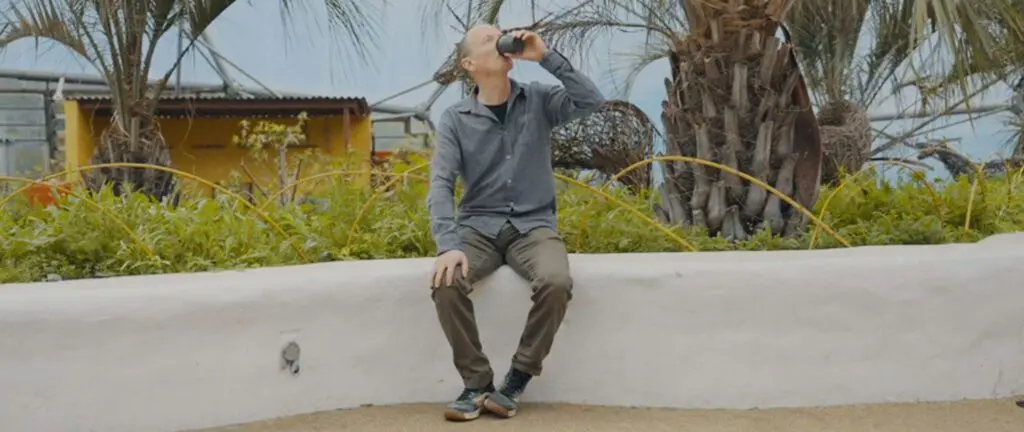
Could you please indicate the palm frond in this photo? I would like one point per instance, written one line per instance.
(574, 30)
(825, 33)
(197, 15)
(353, 24)
(975, 33)
(55, 20)
(634, 63)
(1014, 126)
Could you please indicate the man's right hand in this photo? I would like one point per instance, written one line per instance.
(446, 265)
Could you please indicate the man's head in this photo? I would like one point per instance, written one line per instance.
(478, 54)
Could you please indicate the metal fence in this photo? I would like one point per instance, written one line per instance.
(28, 133)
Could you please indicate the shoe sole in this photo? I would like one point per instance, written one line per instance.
(459, 416)
(463, 416)
(499, 410)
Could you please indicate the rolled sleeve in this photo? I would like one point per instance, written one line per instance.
(577, 97)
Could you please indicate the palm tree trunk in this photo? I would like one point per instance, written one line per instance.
(737, 98)
(137, 140)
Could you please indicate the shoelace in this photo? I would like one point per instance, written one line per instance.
(514, 384)
(468, 394)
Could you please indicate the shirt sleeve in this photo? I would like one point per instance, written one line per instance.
(577, 97)
(444, 171)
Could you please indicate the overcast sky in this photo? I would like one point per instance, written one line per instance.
(304, 60)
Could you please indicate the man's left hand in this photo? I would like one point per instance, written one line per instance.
(535, 49)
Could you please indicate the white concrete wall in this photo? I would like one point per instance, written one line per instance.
(748, 329)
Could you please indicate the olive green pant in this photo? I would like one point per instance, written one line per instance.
(538, 256)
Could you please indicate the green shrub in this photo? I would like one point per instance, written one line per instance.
(204, 234)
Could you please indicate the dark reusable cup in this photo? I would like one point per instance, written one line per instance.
(509, 44)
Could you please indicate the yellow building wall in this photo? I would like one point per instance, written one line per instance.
(79, 139)
(205, 146)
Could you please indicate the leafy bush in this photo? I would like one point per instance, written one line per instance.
(75, 240)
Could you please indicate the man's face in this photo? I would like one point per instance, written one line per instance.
(482, 58)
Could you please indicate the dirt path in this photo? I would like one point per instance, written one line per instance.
(983, 416)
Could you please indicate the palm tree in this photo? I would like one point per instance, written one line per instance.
(846, 79)
(119, 38)
(739, 93)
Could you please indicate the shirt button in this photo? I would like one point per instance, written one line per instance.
(507, 157)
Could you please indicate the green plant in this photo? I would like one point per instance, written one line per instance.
(272, 144)
(207, 234)
(269, 143)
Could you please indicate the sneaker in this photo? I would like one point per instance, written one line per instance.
(505, 402)
(468, 405)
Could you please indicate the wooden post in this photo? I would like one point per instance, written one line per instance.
(327, 144)
(346, 122)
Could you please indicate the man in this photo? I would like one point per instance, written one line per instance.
(498, 141)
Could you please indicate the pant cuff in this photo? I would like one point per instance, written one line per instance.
(532, 370)
(480, 381)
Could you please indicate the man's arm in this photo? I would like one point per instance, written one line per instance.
(444, 170)
(577, 97)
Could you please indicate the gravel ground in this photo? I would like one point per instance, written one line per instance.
(1000, 415)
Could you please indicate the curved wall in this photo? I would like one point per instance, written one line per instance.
(708, 330)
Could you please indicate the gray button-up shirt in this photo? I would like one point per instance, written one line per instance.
(506, 167)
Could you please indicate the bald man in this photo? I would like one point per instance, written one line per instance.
(498, 140)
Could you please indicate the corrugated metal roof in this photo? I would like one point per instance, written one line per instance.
(221, 105)
(228, 97)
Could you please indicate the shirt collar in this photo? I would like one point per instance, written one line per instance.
(471, 104)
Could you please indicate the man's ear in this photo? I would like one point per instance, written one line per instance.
(466, 65)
